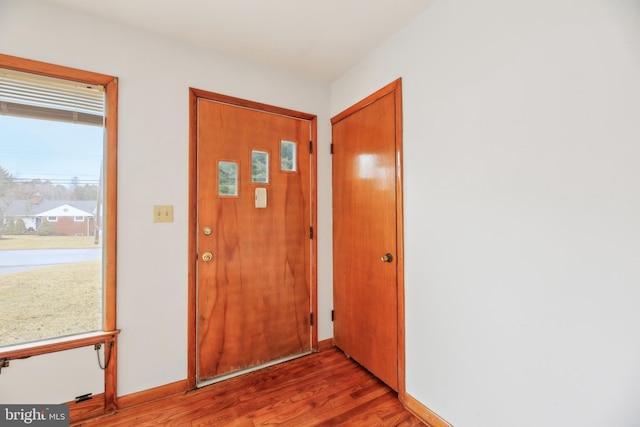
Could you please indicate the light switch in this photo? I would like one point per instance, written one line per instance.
(162, 213)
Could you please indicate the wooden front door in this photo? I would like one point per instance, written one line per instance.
(254, 214)
(366, 250)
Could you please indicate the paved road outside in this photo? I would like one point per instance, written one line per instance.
(23, 260)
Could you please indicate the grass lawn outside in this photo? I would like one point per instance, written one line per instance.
(32, 241)
(50, 302)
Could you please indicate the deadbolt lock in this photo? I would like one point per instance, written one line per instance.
(207, 256)
(206, 231)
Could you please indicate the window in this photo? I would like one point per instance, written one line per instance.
(57, 169)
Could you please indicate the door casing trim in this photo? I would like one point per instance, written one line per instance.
(194, 96)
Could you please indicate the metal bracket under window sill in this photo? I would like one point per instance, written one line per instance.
(4, 363)
(23, 351)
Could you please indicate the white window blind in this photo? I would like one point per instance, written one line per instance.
(39, 97)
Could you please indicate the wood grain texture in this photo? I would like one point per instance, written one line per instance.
(314, 223)
(365, 227)
(153, 394)
(87, 409)
(322, 389)
(399, 125)
(192, 255)
(425, 414)
(196, 156)
(254, 297)
(53, 70)
(325, 344)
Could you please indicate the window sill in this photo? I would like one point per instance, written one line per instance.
(22, 351)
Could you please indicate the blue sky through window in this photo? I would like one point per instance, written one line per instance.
(50, 150)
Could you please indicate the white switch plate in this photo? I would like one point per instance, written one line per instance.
(163, 213)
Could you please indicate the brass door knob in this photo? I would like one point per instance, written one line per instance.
(386, 257)
(207, 256)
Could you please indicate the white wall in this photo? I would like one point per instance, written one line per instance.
(22, 382)
(522, 208)
(154, 77)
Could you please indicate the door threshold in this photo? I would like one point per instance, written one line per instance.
(205, 383)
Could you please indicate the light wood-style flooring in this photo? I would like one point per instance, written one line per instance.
(321, 389)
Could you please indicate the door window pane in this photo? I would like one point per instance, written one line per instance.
(288, 156)
(227, 178)
(259, 166)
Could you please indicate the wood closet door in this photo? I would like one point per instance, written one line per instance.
(365, 248)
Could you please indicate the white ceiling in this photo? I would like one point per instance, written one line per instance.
(318, 39)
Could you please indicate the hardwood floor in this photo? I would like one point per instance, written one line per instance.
(322, 389)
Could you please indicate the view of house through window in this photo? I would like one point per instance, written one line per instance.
(51, 209)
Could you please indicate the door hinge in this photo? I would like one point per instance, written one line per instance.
(331, 148)
(311, 233)
(311, 319)
(332, 315)
(310, 147)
